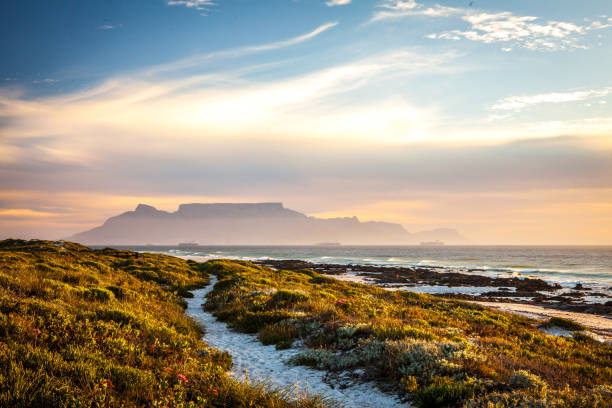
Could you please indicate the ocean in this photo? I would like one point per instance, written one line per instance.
(566, 265)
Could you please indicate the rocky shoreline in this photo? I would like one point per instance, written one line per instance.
(509, 289)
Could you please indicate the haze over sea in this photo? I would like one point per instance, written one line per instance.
(567, 265)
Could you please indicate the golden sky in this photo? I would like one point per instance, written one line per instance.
(387, 111)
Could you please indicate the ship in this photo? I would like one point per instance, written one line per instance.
(188, 245)
(328, 244)
(432, 243)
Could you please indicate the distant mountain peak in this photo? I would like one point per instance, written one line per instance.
(145, 208)
(247, 223)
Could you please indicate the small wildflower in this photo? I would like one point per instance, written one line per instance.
(214, 391)
(168, 370)
(107, 383)
(182, 378)
(341, 302)
(36, 332)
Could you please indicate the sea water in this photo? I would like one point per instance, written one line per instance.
(566, 265)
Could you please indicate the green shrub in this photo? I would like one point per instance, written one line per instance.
(118, 316)
(98, 294)
(307, 272)
(287, 298)
(443, 392)
(251, 322)
(130, 378)
(321, 279)
(565, 324)
(66, 342)
(280, 335)
(183, 292)
(525, 379)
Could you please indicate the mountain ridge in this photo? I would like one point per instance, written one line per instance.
(248, 223)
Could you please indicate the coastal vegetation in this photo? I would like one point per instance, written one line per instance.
(434, 352)
(106, 328)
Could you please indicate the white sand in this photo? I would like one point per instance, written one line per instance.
(261, 362)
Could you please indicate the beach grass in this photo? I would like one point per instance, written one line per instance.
(106, 328)
(432, 351)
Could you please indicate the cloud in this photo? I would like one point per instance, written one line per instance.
(217, 106)
(512, 31)
(45, 81)
(396, 9)
(240, 52)
(201, 5)
(421, 185)
(106, 27)
(332, 3)
(518, 103)
(401, 5)
(522, 31)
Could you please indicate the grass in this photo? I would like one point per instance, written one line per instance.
(564, 324)
(107, 328)
(432, 351)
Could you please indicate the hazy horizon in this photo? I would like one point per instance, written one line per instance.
(491, 118)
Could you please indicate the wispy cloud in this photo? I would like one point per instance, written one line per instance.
(241, 51)
(518, 103)
(505, 28)
(221, 106)
(528, 32)
(332, 3)
(109, 26)
(396, 9)
(200, 5)
(45, 81)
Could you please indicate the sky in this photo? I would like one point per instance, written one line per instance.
(490, 117)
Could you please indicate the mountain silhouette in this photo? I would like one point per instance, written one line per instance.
(248, 224)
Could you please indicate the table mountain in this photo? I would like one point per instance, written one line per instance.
(247, 223)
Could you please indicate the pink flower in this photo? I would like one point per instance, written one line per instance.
(107, 383)
(182, 378)
(341, 302)
(36, 332)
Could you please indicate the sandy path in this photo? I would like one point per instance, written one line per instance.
(265, 362)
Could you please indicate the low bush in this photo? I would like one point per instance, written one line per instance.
(98, 294)
(443, 392)
(280, 335)
(564, 324)
(435, 351)
(287, 298)
(84, 328)
(252, 322)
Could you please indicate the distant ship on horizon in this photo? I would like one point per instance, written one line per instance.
(328, 244)
(188, 245)
(432, 243)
